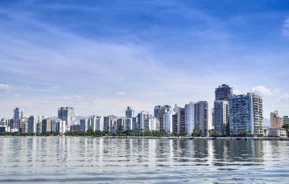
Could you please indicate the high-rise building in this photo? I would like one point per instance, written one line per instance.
(285, 120)
(128, 124)
(151, 124)
(221, 116)
(62, 127)
(108, 122)
(190, 117)
(54, 126)
(22, 123)
(175, 123)
(246, 114)
(84, 125)
(202, 118)
(120, 124)
(223, 92)
(46, 125)
(67, 114)
(129, 113)
(276, 120)
(135, 124)
(99, 123)
(159, 112)
(168, 122)
(181, 120)
(18, 114)
(32, 124)
(142, 116)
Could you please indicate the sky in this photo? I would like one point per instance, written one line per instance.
(102, 56)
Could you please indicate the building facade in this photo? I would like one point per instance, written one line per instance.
(202, 118)
(129, 113)
(190, 117)
(18, 114)
(224, 92)
(221, 116)
(276, 120)
(246, 114)
(67, 114)
(285, 120)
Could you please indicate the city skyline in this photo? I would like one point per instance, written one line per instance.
(100, 58)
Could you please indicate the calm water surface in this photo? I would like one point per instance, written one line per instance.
(106, 160)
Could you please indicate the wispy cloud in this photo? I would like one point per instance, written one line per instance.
(285, 28)
(5, 87)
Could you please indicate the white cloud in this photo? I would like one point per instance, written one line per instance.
(5, 87)
(121, 93)
(285, 28)
(263, 91)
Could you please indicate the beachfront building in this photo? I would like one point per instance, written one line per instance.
(221, 116)
(67, 115)
(246, 114)
(190, 117)
(276, 120)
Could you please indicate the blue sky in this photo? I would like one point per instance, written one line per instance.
(100, 56)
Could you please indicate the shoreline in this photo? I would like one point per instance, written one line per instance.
(152, 137)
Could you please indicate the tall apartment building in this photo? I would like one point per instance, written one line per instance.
(142, 116)
(46, 125)
(120, 124)
(285, 120)
(151, 124)
(246, 113)
(32, 124)
(221, 116)
(18, 114)
(190, 117)
(129, 113)
(159, 111)
(181, 120)
(22, 123)
(203, 117)
(108, 122)
(67, 114)
(223, 92)
(276, 120)
(135, 124)
(128, 124)
(84, 124)
(168, 122)
(175, 123)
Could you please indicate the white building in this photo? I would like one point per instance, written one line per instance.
(62, 127)
(67, 114)
(190, 117)
(99, 123)
(279, 132)
(151, 124)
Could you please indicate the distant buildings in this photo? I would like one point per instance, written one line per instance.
(203, 118)
(129, 113)
(18, 114)
(231, 115)
(246, 114)
(221, 116)
(190, 117)
(224, 92)
(285, 120)
(67, 115)
(275, 120)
